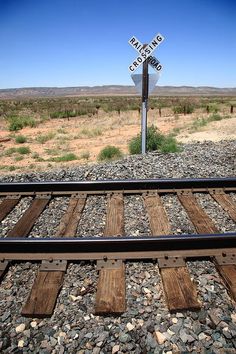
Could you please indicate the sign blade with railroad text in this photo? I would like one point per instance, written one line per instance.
(144, 51)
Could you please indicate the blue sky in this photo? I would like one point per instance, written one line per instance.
(85, 42)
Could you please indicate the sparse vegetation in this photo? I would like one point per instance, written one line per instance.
(85, 155)
(90, 133)
(64, 158)
(20, 139)
(23, 150)
(155, 141)
(110, 153)
(202, 122)
(43, 138)
(18, 123)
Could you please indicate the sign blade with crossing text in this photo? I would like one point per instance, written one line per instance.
(144, 52)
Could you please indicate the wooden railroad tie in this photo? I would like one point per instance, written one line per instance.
(204, 224)
(180, 291)
(110, 297)
(47, 285)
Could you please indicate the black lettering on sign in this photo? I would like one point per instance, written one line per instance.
(150, 46)
(143, 55)
(159, 67)
(138, 48)
(132, 40)
(154, 43)
(136, 45)
(153, 61)
(131, 68)
(139, 59)
(159, 38)
(147, 50)
(135, 64)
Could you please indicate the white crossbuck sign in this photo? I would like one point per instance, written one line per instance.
(145, 52)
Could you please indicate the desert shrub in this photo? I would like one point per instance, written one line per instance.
(20, 139)
(17, 123)
(213, 108)
(90, 133)
(64, 158)
(183, 108)
(10, 151)
(155, 141)
(43, 138)
(215, 117)
(19, 158)
(85, 155)
(109, 152)
(23, 150)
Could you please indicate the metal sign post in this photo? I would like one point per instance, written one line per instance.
(145, 58)
(144, 106)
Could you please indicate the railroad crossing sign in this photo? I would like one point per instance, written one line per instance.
(145, 82)
(145, 52)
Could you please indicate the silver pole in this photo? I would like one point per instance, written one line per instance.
(144, 126)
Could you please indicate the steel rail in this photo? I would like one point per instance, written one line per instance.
(118, 244)
(122, 185)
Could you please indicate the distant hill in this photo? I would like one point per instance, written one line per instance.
(113, 90)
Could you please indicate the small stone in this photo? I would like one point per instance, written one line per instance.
(87, 318)
(99, 344)
(115, 349)
(160, 337)
(174, 320)
(72, 297)
(33, 324)
(20, 328)
(202, 336)
(5, 316)
(129, 326)
(53, 341)
(27, 333)
(226, 333)
(214, 318)
(233, 317)
(125, 338)
(146, 291)
(21, 343)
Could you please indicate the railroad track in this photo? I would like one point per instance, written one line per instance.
(113, 249)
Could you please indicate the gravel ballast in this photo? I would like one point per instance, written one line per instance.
(146, 326)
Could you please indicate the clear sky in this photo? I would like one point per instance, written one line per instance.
(85, 42)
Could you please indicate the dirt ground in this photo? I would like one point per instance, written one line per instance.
(86, 136)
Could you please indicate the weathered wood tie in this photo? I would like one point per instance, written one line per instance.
(110, 297)
(180, 292)
(226, 202)
(49, 280)
(7, 205)
(203, 224)
(26, 222)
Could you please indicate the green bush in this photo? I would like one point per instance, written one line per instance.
(183, 108)
(17, 123)
(23, 150)
(155, 141)
(64, 158)
(43, 138)
(109, 153)
(20, 139)
(10, 151)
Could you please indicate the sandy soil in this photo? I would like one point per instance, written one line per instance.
(86, 136)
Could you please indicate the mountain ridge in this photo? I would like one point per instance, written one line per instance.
(184, 90)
